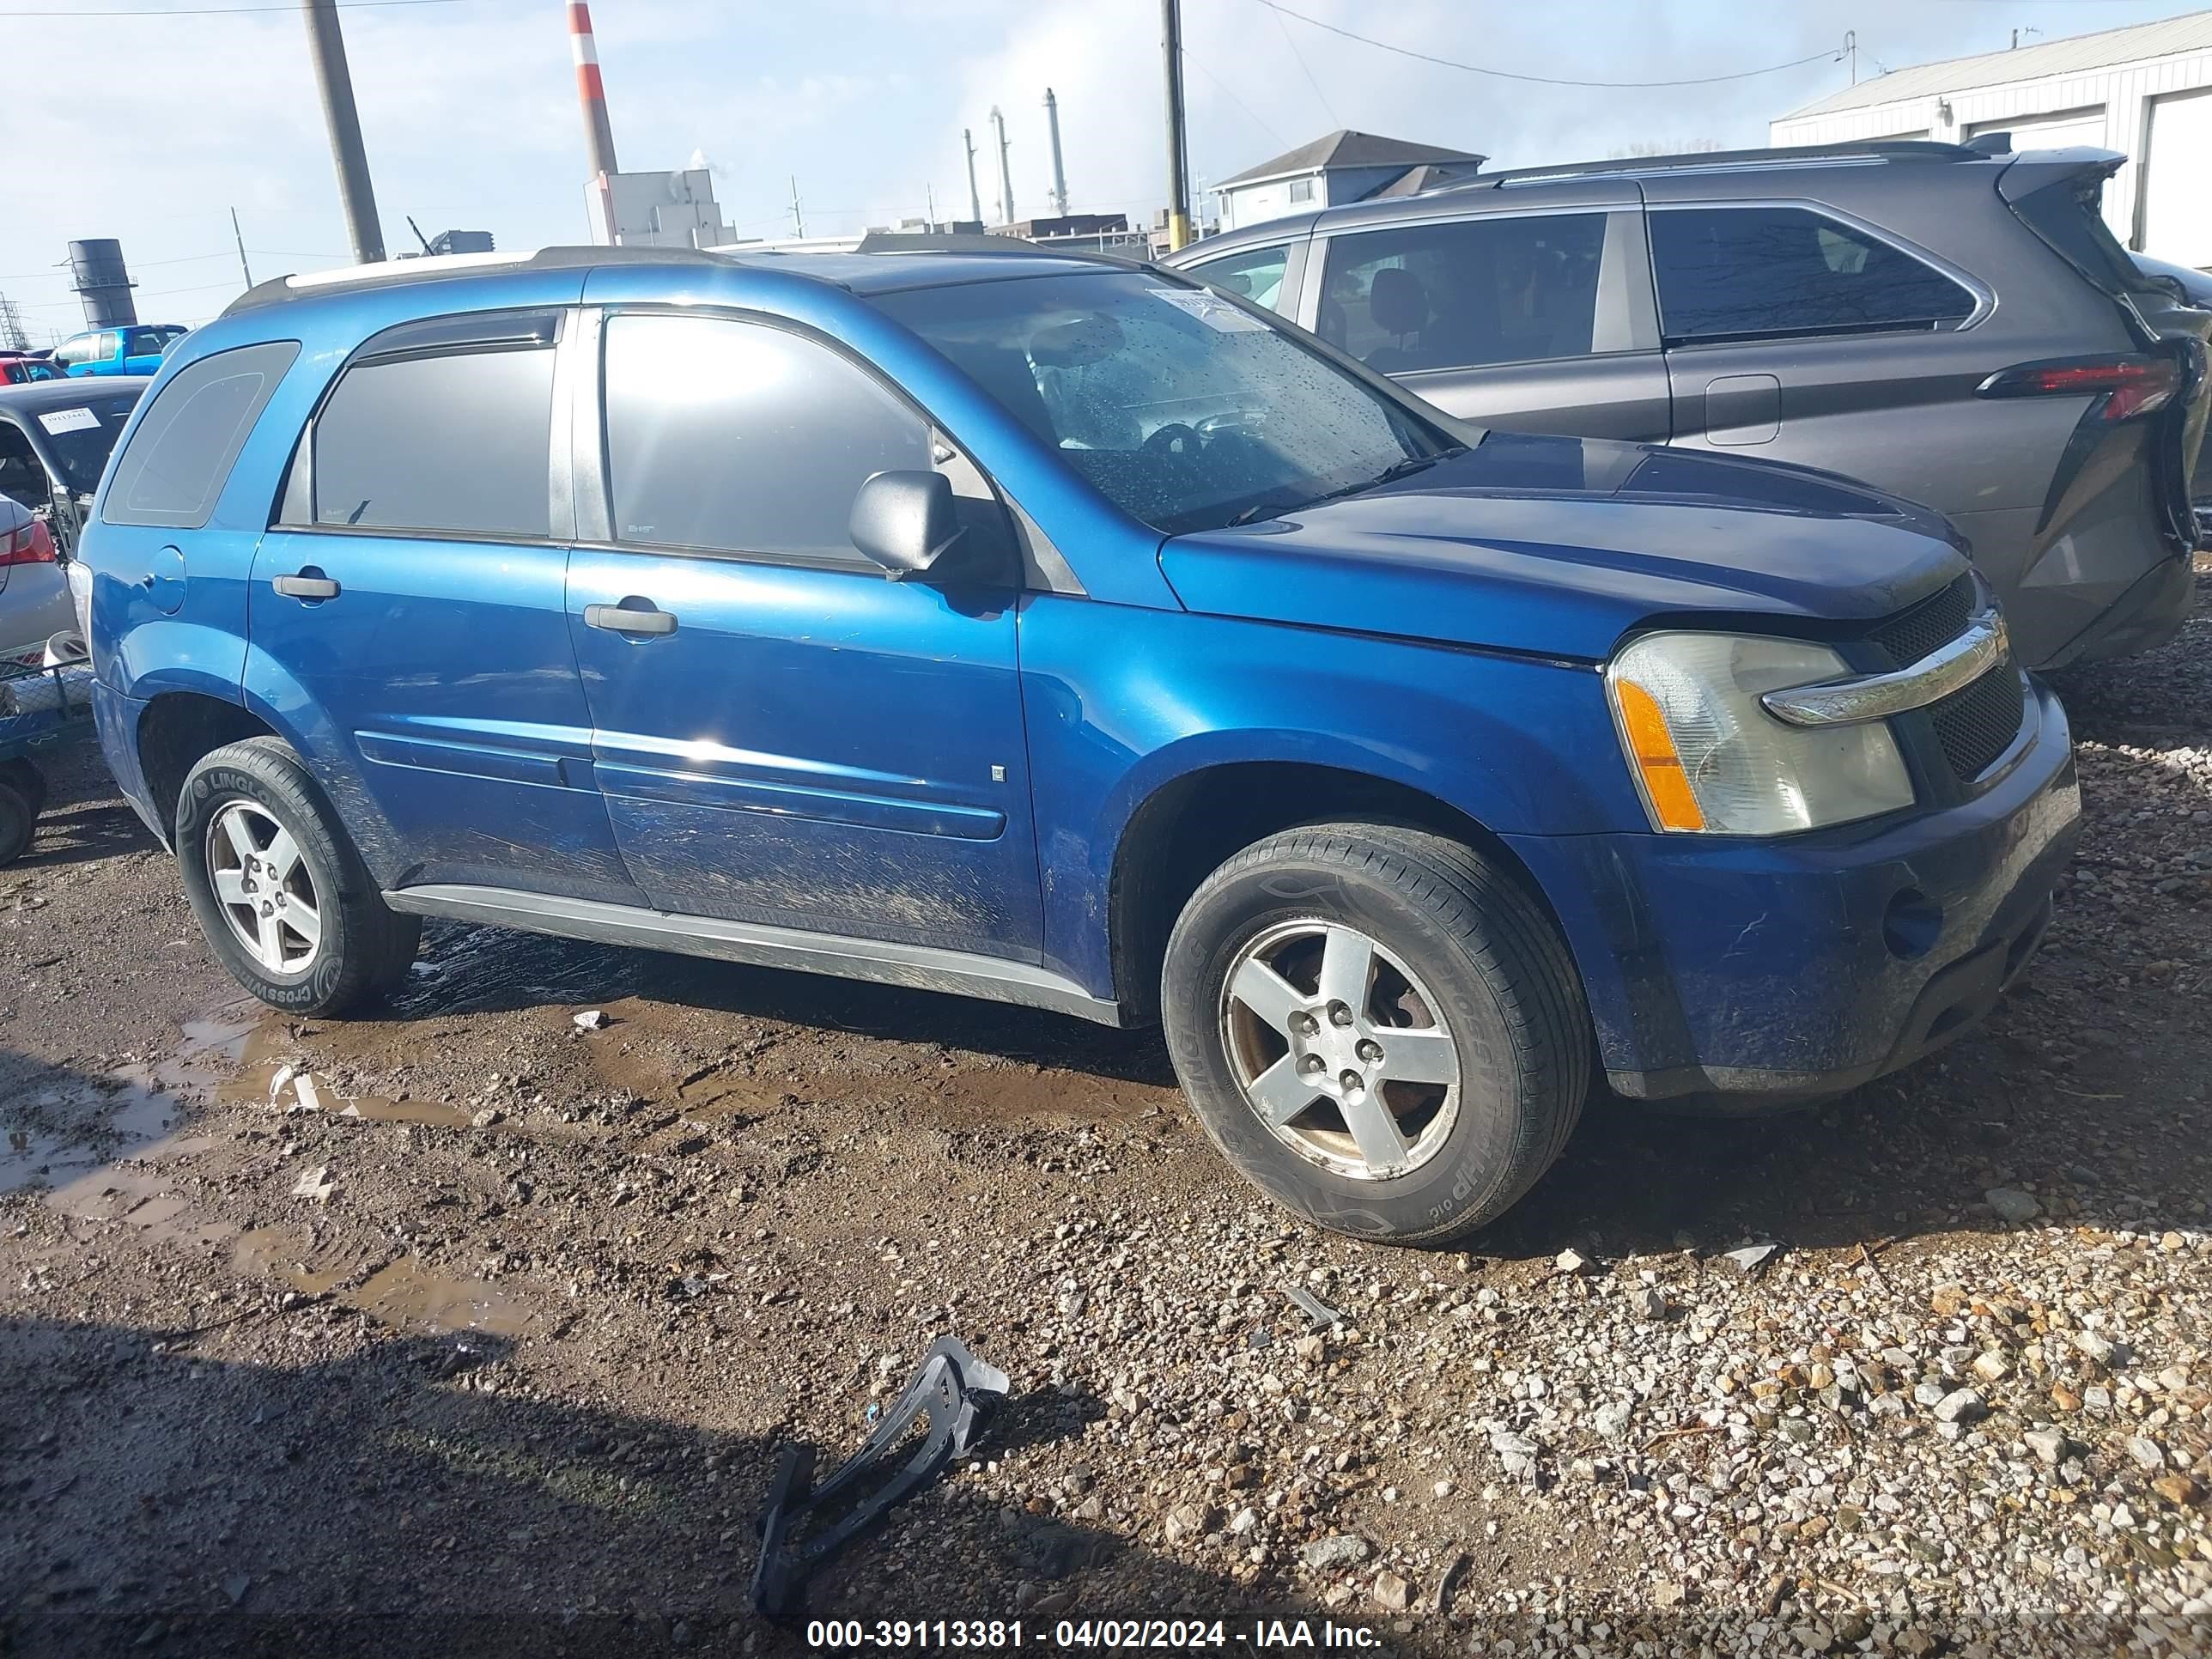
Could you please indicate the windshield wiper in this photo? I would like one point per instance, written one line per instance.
(1390, 474)
(1271, 509)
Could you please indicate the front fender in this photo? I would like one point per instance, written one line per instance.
(1122, 702)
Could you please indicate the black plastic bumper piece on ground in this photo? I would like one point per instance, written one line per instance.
(803, 1525)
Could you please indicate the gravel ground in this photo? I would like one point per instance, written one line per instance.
(492, 1351)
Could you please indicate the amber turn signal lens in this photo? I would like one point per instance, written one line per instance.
(1672, 801)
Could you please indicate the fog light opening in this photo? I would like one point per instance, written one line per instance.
(1911, 925)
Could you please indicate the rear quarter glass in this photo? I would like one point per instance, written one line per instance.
(173, 467)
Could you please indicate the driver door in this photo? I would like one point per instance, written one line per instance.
(783, 736)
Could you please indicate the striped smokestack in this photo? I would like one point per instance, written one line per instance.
(591, 90)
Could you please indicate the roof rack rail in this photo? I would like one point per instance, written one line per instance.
(1872, 149)
(346, 279)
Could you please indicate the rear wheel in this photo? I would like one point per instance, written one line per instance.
(283, 898)
(23, 775)
(1378, 1027)
(19, 822)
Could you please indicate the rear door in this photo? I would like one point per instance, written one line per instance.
(1533, 321)
(1796, 334)
(407, 612)
(784, 736)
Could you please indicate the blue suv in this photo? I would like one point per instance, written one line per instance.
(1059, 630)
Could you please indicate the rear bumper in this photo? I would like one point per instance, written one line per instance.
(116, 717)
(1755, 972)
(2143, 618)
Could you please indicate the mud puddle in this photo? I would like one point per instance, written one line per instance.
(79, 1125)
(466, 968)
(1011, 1096)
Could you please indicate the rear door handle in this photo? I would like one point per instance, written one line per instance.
(628, 619)
(306, 587)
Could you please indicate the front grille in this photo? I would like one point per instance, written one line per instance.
(1935, 621)
(1978, 723)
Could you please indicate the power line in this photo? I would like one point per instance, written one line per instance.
(1542, 80)
(1198, 64)
(1328, 108)
(228, 11)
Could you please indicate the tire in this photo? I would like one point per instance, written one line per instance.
(1461, 958)
(19, 823)
(24, 777)
(356, 948)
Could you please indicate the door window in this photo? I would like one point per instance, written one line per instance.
(728, 436)
(455, 442)
(182, 452)
(1255, 272)
(1456, 295)
(1742, 273)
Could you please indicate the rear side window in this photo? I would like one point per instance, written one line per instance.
(1255, 272)
(457, 442)
(735, 437)
(1461, 295)
(178, 459)
(1743, 273)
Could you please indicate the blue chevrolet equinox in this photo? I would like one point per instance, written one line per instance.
(1061, 630)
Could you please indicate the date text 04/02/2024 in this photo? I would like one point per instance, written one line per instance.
(1167, 1635)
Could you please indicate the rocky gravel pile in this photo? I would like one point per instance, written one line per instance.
(478, 1324)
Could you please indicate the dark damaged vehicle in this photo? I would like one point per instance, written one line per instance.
(1046, 629)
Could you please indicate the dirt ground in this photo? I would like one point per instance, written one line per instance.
(492, 1352)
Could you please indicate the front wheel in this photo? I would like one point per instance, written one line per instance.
(1378, 1027)
(283, 898)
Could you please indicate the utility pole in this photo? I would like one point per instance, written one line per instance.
(798, 220)
(929, 196)
(1059, 172)
(326, 45)
(1851, 51)
(1005, 170)
(974, 200)
(1178, 154)
(244, 269)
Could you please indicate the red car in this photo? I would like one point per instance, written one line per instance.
(22, 369)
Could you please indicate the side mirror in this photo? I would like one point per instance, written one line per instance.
(905, 521)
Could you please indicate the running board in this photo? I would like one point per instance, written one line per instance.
(918, 967)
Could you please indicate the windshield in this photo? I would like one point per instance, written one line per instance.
(1186, 411)
(78, 437)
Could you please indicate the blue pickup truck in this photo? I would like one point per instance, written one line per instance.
(1053, 629)
(135, 350)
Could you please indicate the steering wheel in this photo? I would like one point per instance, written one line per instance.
(1176, 438)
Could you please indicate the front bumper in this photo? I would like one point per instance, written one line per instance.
(1757, 971)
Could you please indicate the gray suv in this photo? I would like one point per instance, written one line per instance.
(1954, 324)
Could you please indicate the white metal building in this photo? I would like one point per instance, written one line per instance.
(2145, 91)
(1338, 168)
(656, 210)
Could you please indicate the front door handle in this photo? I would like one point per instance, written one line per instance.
(305, 587)
(630, 619)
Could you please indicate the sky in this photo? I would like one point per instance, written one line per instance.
(152, 127)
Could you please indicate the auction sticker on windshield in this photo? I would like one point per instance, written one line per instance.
(59, 420)
(1214, 313)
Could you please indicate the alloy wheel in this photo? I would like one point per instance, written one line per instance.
(1337, 1047)
(264, 887)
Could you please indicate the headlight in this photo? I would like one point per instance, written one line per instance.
(1706, 757)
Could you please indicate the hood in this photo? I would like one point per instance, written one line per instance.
(1557, 546)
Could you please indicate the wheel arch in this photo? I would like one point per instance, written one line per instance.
(1190, 823)
(176, 730)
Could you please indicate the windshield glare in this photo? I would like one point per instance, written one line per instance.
(1186, 411)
